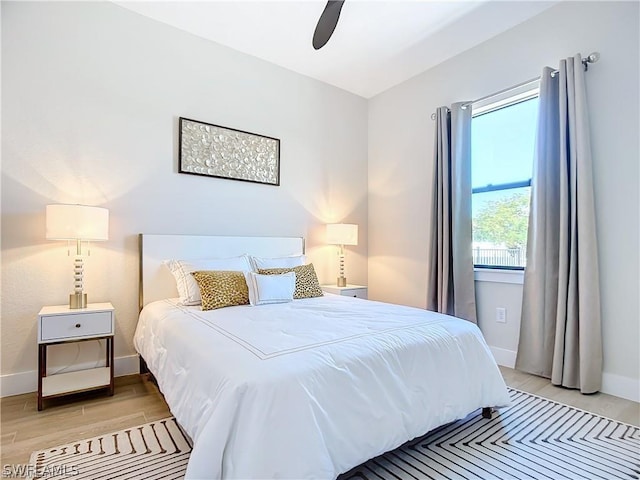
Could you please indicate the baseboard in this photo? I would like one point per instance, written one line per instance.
(504, 357)
(26, 382)
(612, 384)
(620, 386)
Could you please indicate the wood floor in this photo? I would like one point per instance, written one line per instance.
(63, 420)
(137, 400)
(606, 405)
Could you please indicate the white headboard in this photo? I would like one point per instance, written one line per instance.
(157, 282)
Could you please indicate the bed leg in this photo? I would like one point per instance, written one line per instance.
(486, 412)
(144, 370)
(143, 366)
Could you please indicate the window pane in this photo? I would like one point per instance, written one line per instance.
(500, 221)
(502, 143)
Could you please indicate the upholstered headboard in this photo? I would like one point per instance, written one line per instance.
(157, 282)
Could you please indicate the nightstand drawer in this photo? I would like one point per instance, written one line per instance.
(78, 325)
(355, 292)
(358, 291)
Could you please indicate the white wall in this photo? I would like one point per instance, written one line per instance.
(90, 98)
(91, 95)
(400, 168)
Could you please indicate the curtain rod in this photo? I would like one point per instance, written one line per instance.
(591, 58)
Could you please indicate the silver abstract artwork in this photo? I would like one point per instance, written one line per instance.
(215, 151)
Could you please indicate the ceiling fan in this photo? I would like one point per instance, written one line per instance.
(327, 23)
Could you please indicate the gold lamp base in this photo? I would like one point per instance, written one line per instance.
(342, 281)
(78, 300)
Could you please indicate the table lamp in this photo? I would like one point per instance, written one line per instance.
(342, 234)
(82, 224)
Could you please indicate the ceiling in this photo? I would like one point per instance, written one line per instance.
(376, 44)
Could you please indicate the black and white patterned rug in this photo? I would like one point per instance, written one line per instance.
(153, 451)
(535, 438)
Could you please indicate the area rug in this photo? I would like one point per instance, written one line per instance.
(535, 438)
(156, 450)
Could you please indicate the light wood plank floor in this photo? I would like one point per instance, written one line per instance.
(137, 401)
(600, 403)
(23, 429)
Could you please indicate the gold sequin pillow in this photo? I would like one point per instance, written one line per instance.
(219, 288)
(307, 285)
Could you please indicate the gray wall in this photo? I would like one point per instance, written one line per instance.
(91, 97)
(400, 168)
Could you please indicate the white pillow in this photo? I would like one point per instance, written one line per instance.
(278, 262)
(266, 289)
(187, 285)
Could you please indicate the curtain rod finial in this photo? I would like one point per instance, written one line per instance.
(591, 58)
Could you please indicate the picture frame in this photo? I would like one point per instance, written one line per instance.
(211, 150)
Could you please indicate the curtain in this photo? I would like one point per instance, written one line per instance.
(451, 287)
(560, 333)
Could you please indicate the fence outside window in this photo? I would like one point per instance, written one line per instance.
(500, 257)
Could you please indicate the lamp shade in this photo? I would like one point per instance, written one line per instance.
(342, 234)
(77, 222)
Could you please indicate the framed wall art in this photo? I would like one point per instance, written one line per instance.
(215, 151)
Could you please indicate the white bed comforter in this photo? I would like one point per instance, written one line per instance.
(311, 388)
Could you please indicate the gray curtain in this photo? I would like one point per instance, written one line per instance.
(560, 333)
(451, 287)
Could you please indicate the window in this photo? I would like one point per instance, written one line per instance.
(503, 130)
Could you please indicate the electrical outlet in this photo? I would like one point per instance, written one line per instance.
(501, 315)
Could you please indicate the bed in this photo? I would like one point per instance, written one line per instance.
(305, 389)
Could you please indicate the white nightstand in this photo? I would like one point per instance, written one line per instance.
(358, 291)
(60, 324)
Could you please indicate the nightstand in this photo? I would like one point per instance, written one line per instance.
(61, 324)
(358, 291)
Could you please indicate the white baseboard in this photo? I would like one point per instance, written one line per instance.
(504, 357)
(620, 386)
(26, 382)
(612, 384)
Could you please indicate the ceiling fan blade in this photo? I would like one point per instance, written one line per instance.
(327, 23)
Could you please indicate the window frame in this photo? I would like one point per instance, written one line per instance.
(490, 104)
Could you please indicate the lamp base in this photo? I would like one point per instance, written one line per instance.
(342, 281)
(78, 300)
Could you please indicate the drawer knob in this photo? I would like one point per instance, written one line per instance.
(77, 325)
